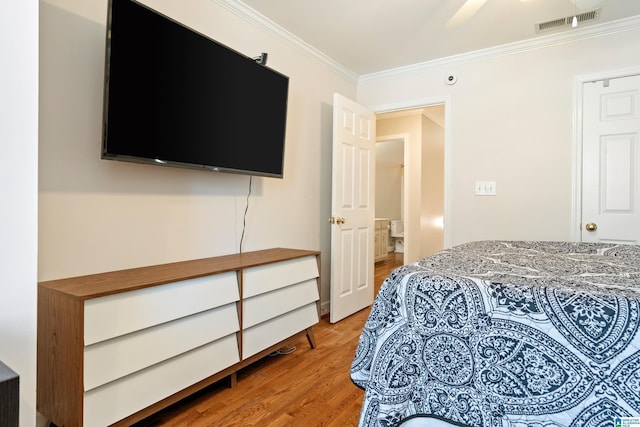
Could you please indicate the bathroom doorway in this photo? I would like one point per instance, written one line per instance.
(390, 188)
(410, 177)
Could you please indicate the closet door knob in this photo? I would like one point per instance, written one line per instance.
(590, 227)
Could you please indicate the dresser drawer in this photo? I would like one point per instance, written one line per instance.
(257, 280)
(265, 334)
(120, 314)
(116, 400)
(266, 306)
(115, 358)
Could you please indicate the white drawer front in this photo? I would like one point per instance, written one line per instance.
(275, 330)
(118, 399)
(268, 277)
(273, 304)
(115, 315)
(112, 359)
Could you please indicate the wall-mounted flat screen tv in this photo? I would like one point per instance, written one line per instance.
(175, 97)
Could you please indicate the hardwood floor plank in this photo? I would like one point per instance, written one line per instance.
(308, 387)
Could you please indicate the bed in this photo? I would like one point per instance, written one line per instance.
(505, 334)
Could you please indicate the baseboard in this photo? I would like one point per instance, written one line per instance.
(324, 309)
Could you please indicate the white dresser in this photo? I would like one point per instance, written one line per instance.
(115, 347)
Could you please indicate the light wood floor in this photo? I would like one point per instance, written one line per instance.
(309, 387)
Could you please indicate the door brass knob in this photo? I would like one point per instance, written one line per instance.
(336, 220)
(591, 227)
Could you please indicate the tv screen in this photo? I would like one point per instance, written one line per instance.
(178, 98)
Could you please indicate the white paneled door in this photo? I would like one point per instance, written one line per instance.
(611, 161)
(352, 220)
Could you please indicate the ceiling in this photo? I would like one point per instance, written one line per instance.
(369, 36)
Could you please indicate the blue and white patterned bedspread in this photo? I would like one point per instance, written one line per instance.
(506, 334)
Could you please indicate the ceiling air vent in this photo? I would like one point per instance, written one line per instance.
(560, 23)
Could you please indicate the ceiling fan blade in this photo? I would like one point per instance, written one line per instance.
(466, 11)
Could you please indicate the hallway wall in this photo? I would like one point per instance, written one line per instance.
(389, 170)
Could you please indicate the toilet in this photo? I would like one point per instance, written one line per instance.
(397, 234)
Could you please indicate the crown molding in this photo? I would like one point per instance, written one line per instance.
(581, 33)
(252, 16)
(571, 35)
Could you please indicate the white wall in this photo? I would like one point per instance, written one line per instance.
(511, 121)
(18, 195)
(389, 171)
(432, 197)
(98, 215)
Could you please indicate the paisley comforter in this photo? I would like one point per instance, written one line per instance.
(506, 334)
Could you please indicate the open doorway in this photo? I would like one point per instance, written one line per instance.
(389, 207)
(410, 179)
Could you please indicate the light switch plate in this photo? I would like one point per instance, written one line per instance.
(485, 188)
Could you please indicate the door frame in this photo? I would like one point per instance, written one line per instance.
(578, 97)
(448, 149)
